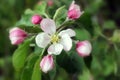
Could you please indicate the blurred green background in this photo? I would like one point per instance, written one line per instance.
(102, 26)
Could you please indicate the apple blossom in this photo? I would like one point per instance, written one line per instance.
(74, 11)
(17, 35)
(57, 41)
(83, 48)
(47, 63)
(36, 19)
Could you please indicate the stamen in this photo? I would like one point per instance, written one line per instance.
(54, 38)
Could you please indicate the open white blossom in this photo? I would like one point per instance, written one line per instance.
(57, 41)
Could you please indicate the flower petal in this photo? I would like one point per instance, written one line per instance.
(74, 6)
(74, 11)
(55, 49)
(70, 32)
(66, 41)
(84, 48)
(47, 63)
(17, 40)
(48, 26)
(42, 40)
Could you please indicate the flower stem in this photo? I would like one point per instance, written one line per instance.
(62, 26)
(116, 48)
(46, 15)
(42, 52)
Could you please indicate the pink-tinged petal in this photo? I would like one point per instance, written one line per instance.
(17, 35)
(70, 32)
(17, 40)
(17, 32)
(72, 5)
(36, 19)
(84, 48)
(48, 26)
(74, 11)
(66, 41)
(55, 49)
(47, 63)
(50, 2)
(42, 40)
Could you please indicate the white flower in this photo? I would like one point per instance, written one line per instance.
(57, 41)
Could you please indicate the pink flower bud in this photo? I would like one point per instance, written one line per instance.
(50, 2)
(47, 63)
(36, 19)
(84, 48)
(17, 35)
(74, 11)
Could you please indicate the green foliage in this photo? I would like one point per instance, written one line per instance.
(20, 55)
(116, 36)
(26, 19)
(82, 34)
(86, 75)
(66, 60)
(28, 69)
(85, 21)
(36, 75)
(109, 25)
(41, 8)
(59, 13)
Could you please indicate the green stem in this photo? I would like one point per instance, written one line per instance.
(46, 15)
(116, 48)
(42, 52)
(102, 35)
(62, 26)
(60, 29)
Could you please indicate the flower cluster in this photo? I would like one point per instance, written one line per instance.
(52, 38)
(57, 41)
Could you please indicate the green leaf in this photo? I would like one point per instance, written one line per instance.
(70, 61)
(37, 50)
(31, 60)
(20, 55)
(109, 66)
(82, 34)
(41, 8)
(94, 6)
(62, 75)
(52, 73)
(29, 11)
(36, 75)
(26, 18)
(86, 75)
(85, 22)
(116, 36)
(109, 24)
(27, 72)
(59, 13)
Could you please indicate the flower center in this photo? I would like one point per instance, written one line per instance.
(55, 38)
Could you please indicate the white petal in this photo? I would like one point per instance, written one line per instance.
(47, 63)
(70, 32)
(55, 49)
(48, 26)
(84, 48)
(42, 40)
(66, 41)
